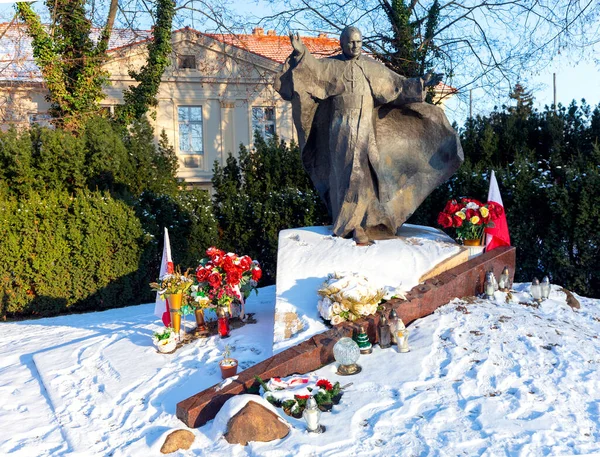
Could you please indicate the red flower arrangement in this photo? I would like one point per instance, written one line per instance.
(324, 384)
(302, 397)
(469, 217)
(224, 277)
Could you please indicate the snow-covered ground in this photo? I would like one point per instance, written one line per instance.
(483, 378)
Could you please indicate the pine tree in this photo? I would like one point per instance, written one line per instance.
(523, 98)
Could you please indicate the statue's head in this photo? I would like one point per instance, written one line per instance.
(351, 42)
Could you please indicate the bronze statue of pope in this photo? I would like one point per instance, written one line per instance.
(373, 149)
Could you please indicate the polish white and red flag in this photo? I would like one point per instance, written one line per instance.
(161, 307)
(498, 235)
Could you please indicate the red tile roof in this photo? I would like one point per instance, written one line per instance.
(278, 48)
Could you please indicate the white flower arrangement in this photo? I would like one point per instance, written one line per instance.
(165, 341)
(348, 296)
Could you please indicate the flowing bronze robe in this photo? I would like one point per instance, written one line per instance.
(359, 126)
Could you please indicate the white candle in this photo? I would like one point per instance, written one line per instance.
(311, 416)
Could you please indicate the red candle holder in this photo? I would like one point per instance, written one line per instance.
(223, 326)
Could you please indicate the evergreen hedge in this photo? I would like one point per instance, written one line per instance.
(547, 165)
(83, 216)
(62, 251)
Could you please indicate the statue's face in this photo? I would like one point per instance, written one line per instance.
(352, 44)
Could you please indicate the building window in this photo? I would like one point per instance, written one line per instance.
(190, 134)
(263, 121)
(188, 61)
(41, 119)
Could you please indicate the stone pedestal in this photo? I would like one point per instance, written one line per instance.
(307, 255)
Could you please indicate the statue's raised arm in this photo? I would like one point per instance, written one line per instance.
(432, 79)
(297, 44)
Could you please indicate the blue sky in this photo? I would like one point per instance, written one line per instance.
(576, 78)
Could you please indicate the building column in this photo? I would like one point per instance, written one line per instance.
(227, 129)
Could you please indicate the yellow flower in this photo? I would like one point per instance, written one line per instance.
(484, 211)
(460, 214)
(475, 220)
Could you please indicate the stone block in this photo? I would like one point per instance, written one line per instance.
(307, 255)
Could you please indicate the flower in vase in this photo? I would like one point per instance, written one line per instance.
(224, 277)
(469, 217)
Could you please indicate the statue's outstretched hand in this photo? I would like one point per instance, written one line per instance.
(297, 43)
(432, 79)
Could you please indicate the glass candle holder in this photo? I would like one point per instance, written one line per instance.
(312, 416)
(402, 339)
(346, 353)
(535, 290)
(494, 281)
(393, 322)
(489, 286)
(504, 281)
(545, 287)
(383, 333)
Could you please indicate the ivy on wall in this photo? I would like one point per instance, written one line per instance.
(140, 98)
(70, 62)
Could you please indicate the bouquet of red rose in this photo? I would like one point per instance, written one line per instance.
(224, 277)
(469, 217)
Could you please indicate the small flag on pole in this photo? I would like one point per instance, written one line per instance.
(498, 235)
(161, 308)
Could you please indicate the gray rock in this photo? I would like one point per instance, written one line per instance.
(254, 422)
(179, 439)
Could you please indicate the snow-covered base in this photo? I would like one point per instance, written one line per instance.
(485, 378)
(307, 255)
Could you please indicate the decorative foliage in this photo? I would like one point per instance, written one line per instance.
(165, 341)
(469, 217)
(173, 283)
(227, 361)
(347, 296)
(292, 393)
(165, 334)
